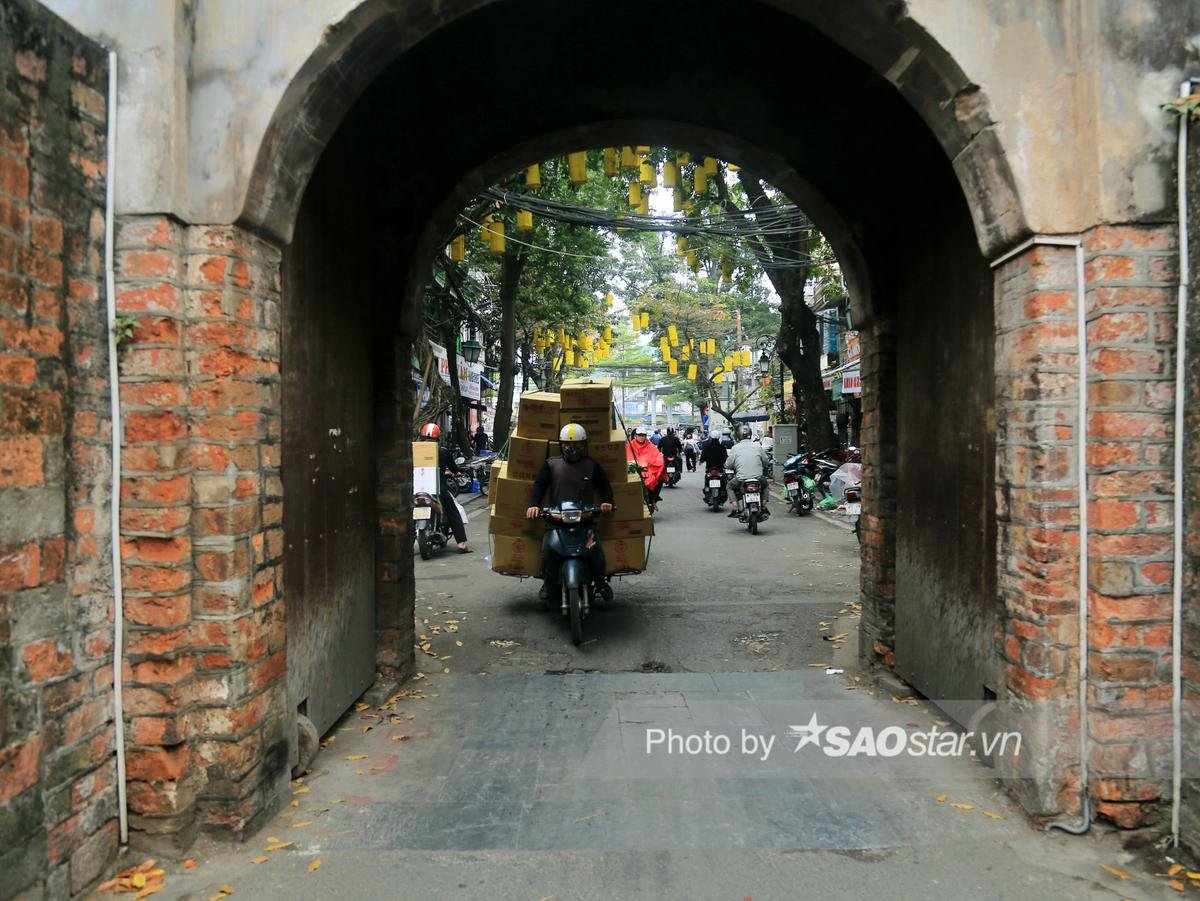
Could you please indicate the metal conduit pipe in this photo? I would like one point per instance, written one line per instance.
(114, 399)
(1185, 90)
(1076, 241)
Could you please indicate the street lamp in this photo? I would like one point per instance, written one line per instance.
(471, 350)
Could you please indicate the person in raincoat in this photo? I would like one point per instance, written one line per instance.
(649, 462)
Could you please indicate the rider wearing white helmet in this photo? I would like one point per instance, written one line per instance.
(573, 476)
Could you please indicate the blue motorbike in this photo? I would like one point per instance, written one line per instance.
(571, 534)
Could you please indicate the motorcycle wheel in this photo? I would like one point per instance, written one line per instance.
(752, 523)
(574, 598)
(423, 545)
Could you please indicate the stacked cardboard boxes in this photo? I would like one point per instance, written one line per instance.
(517, 541)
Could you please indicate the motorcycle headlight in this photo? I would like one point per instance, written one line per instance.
(572, 515)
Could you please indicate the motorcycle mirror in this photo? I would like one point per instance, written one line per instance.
(460, 460)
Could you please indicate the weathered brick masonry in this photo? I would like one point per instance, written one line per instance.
(1130, 273)
(58, 826)
(201, 527)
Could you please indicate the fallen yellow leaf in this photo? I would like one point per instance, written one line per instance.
(1176, 884)
(295, 803)
(189, 863)
(301, 825)
(279, 846)
(149, 890)
(356, 756)
(314, 865)
(272, 840)
(361, 706)
(217, 897)
(262, 858)
(1175, 868)
(1120, 874)
(227, 889)
(138, 880)
(962, 806)
(302, 791)
(994, 816)
(940, 798)
(1192, 874)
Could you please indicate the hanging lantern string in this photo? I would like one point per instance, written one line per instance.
(784, 220)
(561, 253)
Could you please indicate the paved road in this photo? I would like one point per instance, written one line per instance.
(535, 770)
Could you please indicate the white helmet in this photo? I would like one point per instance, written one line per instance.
(572, 431)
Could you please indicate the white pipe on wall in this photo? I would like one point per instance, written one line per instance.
(114, 399)
(1185, 90)
(1076, 241)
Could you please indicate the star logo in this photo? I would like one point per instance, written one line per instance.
(809, 734)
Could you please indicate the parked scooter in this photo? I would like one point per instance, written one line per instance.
(751, 506)
(798, 486)
(570, 533)
(478, 469)
(715, 493)
(852, 507)
(672, 470)
(433, 529)
(819, 466)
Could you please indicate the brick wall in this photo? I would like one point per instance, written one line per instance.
(1129, 273)
(58, 826)
(878, 439)
(201, 528)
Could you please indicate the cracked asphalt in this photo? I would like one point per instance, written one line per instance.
(518, 766)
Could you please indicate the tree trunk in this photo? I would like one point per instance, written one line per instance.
(458, 412)
(514, 262)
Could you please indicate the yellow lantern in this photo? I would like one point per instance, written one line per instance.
(685, 352)
(701, 181)
(692, 371)
(458, 248)
(642, 149)
(676, 201)
(726, 270)
(569, 356)
(557, 363)
(693, 261)
(628, 158)
(646, 173)
(644, 207)
(712, 347)
(524, 220)
(718, 378)
(728, 363)
(672, 367)
(688, 206)
(496, 243)
(747, 359)
(612, 162)
(717, 370)
(608, 299)
(620, 228)
(664, 345)
(635, 320)
(563, 339)
(645, 320)
(635, 194)
(577, 167)
(608, 331)
(681, 245)
(533, 176)
(583, 362)
(673, 335)
(733, 167)
(670, 175)
(683, 159)
(710, 165)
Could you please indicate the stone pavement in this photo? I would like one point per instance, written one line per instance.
(524, 772)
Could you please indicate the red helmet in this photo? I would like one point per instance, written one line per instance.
(431, 430)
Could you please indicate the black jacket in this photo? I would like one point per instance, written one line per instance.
(670, 446)
(714, 455)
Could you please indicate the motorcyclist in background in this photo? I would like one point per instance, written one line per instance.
(649, 462)
(690, 450)
(714, 454)
(670, 446)
(449, 505)
(747, 460)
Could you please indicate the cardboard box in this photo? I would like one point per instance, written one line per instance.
(608, 449)
(526, 456)
(598, 421)
(628, 498)
(511, 496)
(517, 555)
(499, 470)
(624, 555)
(610, 528)
(537, 415)
(515, 526)
(585, 394)
(425, 467)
